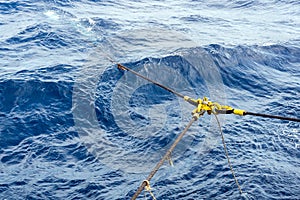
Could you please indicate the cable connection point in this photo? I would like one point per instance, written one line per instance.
(121, 67)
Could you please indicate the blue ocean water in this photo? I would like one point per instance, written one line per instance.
(73, 126)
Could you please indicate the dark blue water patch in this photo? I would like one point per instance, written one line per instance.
(196, 18)
(245, 67)
(281, 57)
(237, 4)
(11, 7)
(63, 72)
(204, 19)
(29, 151)
(4, 49)
(245, 81)
(190, 72)
(20, 95)
(106, 119)
(104, 94)
(37, 149)
(3, 187)
(273, 56)
(49, 152)
(243, 4)
(61, 3)
(33, 107)
(92, 190)
(41, 35)
(66, 186)
(146, 96)
(57, 69)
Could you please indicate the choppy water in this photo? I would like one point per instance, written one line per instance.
(72, 126)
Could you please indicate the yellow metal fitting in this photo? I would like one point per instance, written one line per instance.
(147, 186)
(239, 112)
(203, 105)
(170, 161)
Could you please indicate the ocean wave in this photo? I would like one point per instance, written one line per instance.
(38, 117)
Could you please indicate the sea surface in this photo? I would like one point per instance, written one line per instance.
(73, 126)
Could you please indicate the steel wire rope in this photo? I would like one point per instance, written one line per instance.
(166, 156)
(227, 155)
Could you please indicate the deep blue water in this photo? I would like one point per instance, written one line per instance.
(73, 126)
